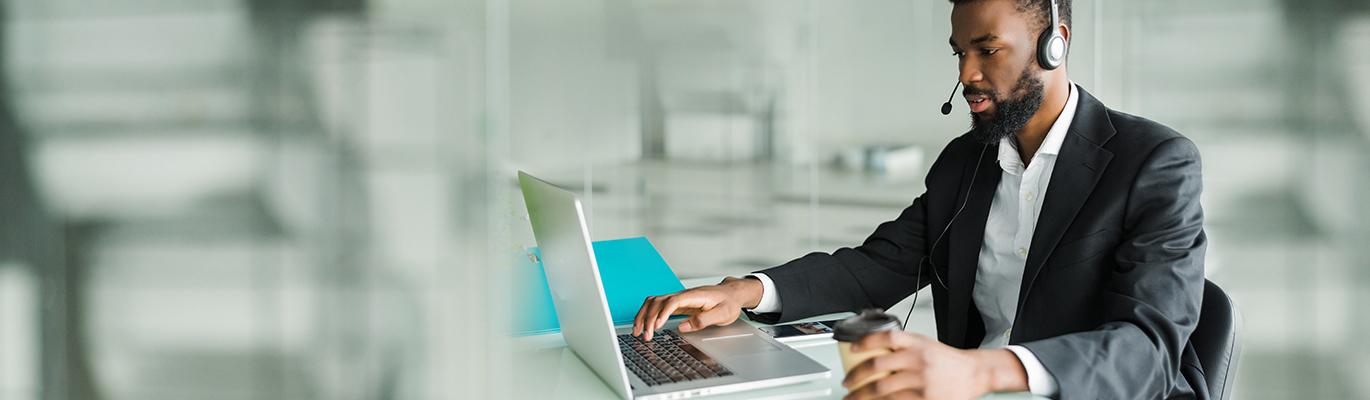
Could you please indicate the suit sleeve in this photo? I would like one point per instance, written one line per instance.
(879, 273)
(1153, 296)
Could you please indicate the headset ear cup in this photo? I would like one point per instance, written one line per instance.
(1046, 57)
(1051, 46)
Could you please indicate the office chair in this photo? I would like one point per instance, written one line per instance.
(1218, 340)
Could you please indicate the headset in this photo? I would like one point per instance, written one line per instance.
(1051, 46)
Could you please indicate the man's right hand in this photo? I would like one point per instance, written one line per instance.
(708, 306)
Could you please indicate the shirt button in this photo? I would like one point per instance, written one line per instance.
(1028, 196)
(1022, 252)
(1008, 332)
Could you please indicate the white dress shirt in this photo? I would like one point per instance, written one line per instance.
(1003, 254)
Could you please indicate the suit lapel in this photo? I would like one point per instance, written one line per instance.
(966, 237)
(1079, 165)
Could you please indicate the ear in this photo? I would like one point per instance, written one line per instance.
(1065, 33)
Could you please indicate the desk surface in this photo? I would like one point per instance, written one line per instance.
(554, 372)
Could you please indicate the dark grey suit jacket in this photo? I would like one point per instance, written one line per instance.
(1114, 277)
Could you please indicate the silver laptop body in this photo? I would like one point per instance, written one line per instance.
(753, 359)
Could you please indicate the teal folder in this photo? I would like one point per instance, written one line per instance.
(630, 269)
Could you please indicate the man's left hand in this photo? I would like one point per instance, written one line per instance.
(923, 368)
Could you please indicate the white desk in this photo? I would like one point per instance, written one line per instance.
(557, 373)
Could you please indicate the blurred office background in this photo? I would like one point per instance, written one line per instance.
(316, 199)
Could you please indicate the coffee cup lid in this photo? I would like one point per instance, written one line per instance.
(869, 321)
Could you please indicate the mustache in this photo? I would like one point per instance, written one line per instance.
(970, 90)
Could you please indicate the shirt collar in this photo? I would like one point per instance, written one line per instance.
(1009, 159)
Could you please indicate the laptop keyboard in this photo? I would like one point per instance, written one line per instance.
(667, 358)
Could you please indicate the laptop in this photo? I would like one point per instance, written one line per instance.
(674, 365)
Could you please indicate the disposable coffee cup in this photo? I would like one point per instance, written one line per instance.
(851, 330)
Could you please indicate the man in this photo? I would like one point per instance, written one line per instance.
(1063, 242)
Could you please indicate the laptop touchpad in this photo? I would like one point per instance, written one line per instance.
(736, 345)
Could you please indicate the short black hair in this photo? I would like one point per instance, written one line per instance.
(1040, 8)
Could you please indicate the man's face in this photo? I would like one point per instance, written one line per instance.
(996, 45)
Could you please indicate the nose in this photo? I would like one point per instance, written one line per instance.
(970, 71)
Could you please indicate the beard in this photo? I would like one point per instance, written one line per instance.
(1009, 114)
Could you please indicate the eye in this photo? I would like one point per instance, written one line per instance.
(959, 54)
(989, 51)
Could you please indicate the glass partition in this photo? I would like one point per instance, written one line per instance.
(319, 199)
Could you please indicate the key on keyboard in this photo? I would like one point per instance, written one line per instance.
(667, 358)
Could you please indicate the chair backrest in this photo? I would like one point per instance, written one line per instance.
(1218, 340)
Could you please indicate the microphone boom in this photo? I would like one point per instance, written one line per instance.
(946, 107)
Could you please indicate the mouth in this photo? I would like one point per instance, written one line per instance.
(978, 104)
